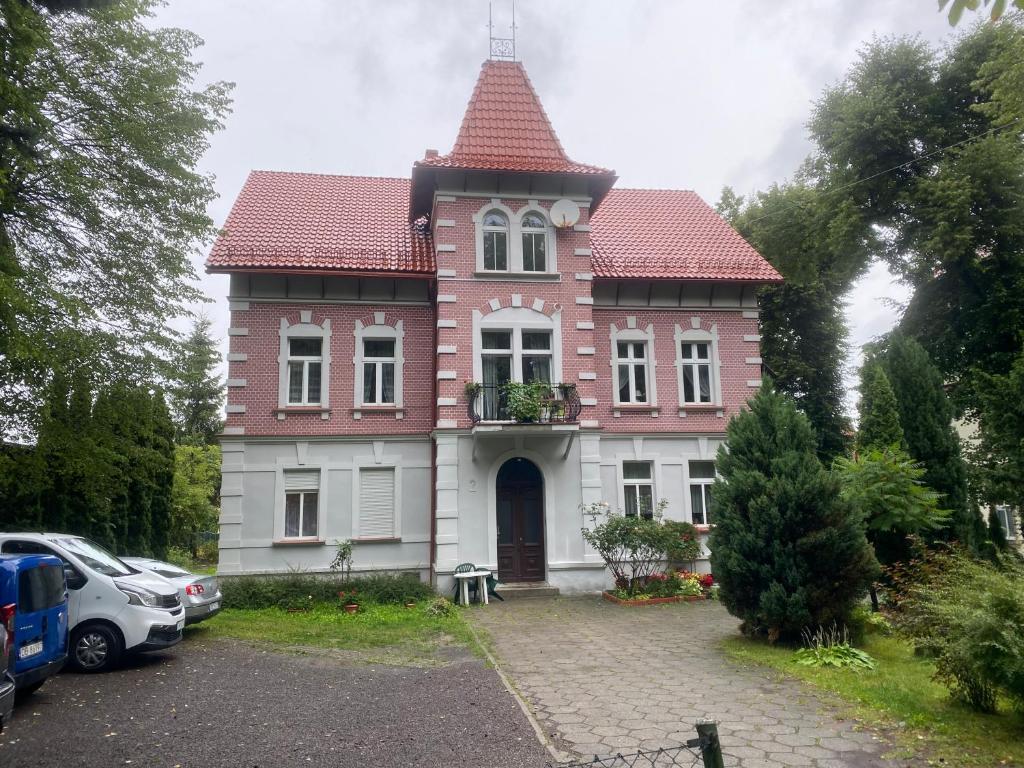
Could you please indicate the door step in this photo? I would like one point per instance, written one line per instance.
(517, 590)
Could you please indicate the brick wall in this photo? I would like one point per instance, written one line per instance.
(261, 371)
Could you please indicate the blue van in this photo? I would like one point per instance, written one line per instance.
(34, 587)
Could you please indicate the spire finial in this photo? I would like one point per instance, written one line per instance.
(502, 48)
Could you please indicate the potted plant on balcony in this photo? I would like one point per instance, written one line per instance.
(525, 403)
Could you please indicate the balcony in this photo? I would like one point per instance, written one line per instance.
(514, 403)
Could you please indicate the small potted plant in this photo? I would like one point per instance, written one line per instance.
(349, 600)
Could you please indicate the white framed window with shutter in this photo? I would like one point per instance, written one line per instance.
(376, 503)
(301, 505)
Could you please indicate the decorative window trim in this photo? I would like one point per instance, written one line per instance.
(371, 463)
(1008, 519)
(645, 335)
(379, 330)
(305, 330)
(279, 503)
(700, 336)
(620, 476)
(515, 239)
(691, 481)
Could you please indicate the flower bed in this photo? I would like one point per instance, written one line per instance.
(639, 600)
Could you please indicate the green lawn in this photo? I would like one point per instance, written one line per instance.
(377, 633)
(901, 693)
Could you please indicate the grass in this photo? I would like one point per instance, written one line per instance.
(388, 634)
(901, 694)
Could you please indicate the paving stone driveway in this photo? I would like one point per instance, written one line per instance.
(603, 679)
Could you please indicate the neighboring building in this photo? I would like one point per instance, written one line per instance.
(374, 322)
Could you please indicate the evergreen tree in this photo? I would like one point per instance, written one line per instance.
(787, 550)
(196, 392)
(926, 417)
(997, 459)
(996, 533)
(879, 414)
(163, 476)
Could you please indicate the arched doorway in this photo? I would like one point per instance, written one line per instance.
(520, 510)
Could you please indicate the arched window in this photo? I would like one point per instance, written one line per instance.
(495, 227)
(535, 236)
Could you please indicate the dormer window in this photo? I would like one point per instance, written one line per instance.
(495, 241)
(535, 236)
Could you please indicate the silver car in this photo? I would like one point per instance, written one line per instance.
(199, 594)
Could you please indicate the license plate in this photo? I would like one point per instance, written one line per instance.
(30, 650)
(214, 607)
(180, 625)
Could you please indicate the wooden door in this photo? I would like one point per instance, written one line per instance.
(520, 510)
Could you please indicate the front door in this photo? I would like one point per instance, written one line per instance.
(520, 508)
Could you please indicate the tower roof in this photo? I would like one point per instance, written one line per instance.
(505, 128)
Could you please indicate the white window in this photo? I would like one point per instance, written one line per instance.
(702, 477)
(377, 503)
(535, 236)
(515, 354)
(638, 488)
(305, 363)
(305, 366)
(378, 371)
(378, 363)
(495, 226)
(1008, 519)
(301, 504)
(631, 366)
(696, 359)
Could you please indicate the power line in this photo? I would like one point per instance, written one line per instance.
(901, 166)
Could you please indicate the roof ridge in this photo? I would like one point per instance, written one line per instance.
(656, 189)
(329, 175)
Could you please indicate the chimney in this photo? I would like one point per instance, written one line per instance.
(430, 154)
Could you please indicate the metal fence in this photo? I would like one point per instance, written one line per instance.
(705, 751)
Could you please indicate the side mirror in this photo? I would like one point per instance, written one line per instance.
(74, 578)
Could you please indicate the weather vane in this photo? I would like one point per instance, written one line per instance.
(502, 48)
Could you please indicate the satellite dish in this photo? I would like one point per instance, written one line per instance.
(564, 213)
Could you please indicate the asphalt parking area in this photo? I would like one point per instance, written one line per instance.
(220, 702)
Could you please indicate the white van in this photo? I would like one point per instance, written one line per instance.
(113, 608)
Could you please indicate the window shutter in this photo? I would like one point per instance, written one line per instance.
(376, 503)
(302, 480)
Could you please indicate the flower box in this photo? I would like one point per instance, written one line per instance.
(633, 603)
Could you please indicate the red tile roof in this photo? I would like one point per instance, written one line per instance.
(306, 221)
(505, 128)
(670, 234)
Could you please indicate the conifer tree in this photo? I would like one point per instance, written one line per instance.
(787, 550)
(163, 476)
(927, 420)
(996, 533)
(196, 392)
(879, 414)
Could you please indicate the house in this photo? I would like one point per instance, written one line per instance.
(377, 323)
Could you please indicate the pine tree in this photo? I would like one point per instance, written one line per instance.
(879, 414)
(196, 392)
(787, 550)
(927, 420)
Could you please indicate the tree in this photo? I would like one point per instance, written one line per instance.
(996, 533)
(929, 148)
(926, 417)
(100, 203)
(818, 244)
(787, 551)
(195, 495)
(879, 414)
(884, 485)
(956, 10)
(997, 458)
(196, 391)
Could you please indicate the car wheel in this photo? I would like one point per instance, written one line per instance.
(95, 648)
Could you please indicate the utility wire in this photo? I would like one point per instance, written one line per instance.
(907, 164)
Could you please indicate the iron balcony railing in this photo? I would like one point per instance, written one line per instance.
(559, 404)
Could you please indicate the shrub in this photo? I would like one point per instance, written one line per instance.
(684, 544)
(786, 550)
(633, 548)
(441, 607)
(831, 648)
(969, 615)
(180, 557)
(288, 590)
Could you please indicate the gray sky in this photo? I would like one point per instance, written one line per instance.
(680, 94)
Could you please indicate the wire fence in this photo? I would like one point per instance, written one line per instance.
(705, 751)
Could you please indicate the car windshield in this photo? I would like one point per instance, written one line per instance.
(96, 557)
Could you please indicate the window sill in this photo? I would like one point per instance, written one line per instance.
(306, 542)
(397, 411)
(636, 408)
(295, 410)
(548, 277)
(703, 528)
(384, 540)
(685, 408)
